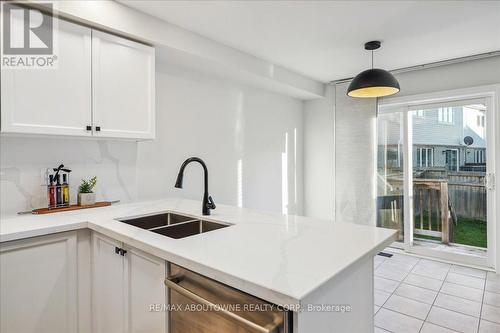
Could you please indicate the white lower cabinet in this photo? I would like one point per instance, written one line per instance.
(108, 286)
(126, 282)
(79, 282)
(38, 284)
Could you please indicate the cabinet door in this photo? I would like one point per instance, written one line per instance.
(51, 101)
(144, 288)
(123, 87)
(38, 284)
(108, 285)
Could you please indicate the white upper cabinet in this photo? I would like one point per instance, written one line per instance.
(123, 76)
(103, 86)
(52, 101)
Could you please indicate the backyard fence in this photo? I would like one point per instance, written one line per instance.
(467, 192)
(439, 198)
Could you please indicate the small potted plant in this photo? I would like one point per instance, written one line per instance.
(85, 195)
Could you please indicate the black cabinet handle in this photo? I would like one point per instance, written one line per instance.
(120, 251)
(88, 128)
(98, 128)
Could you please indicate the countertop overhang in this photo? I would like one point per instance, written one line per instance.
(279, 258)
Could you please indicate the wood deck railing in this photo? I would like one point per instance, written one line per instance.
(431, 208)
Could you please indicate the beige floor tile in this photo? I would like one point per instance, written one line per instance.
(488, 327)
(434, 264)
(397, 322)
(416, 293)
(493, 277)
(465, 280)
(406, 288)
(392, 274)
(493, 286)
(423, 282)
(491, 313)
(468, 271)
(385, 284)
(491, 298)
(408, 306)
(432, 272)
(453, 320)
(458, 304)
(472, 294)
(380, 297)
(431, 328)
(398, 265)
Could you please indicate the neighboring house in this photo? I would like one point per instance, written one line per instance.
(438, 138)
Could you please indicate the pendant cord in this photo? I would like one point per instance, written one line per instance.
(372, 59)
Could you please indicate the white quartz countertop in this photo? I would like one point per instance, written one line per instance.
(276, 257)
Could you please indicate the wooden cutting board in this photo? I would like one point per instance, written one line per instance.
(71, 207)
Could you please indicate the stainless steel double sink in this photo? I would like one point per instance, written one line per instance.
(173, 225)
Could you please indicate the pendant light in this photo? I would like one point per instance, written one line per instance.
(374, 82)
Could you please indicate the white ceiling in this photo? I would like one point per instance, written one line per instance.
(324, 39)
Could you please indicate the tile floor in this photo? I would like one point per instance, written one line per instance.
(415, 295)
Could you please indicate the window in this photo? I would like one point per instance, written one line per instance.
(419, 113)
(445, 115)
(479, 156)
(480, 120)
(425, 157)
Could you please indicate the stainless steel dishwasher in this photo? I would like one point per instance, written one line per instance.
(201, 305)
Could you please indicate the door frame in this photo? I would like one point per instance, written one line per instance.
(491, 94)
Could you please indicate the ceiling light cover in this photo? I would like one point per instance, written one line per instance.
(374, 82)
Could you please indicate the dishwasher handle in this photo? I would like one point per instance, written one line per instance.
(172, 283)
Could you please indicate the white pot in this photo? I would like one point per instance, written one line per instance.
(86, 199)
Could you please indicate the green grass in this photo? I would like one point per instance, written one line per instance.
(470, 232)
(467, 231)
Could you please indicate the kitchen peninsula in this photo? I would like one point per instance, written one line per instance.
(321, 271)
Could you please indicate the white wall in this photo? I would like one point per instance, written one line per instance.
(218, 121)
(239, 132)
(319, 156)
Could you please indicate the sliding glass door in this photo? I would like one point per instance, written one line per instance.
(434, 165)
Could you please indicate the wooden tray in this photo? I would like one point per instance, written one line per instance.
(71, 207)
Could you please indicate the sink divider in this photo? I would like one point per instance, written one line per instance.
(171, 225)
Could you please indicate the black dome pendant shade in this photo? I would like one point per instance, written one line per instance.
(374, 82)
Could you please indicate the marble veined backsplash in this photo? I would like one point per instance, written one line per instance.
(23, 160)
